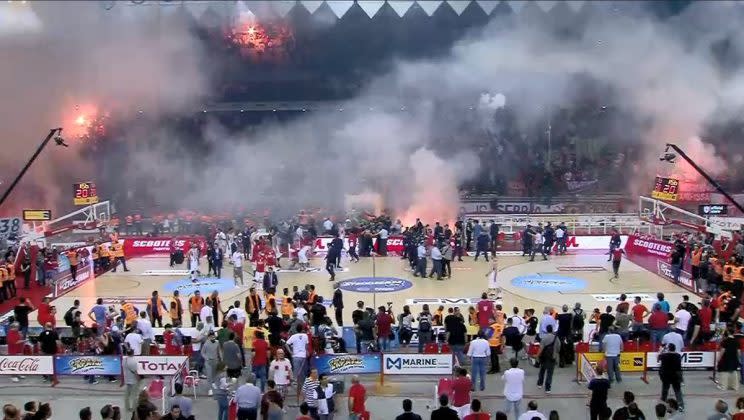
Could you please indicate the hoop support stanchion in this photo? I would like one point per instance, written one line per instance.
(644, 377)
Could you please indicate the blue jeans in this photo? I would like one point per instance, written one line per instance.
(479, 371)
(613, 366)
(261, 376)
(382, 343)
(545, 376)
(515, 406)
(223, 406)
(657, 335)
(458, 352)
(423, 339)
(676, 270)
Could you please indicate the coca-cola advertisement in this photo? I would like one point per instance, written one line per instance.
(140, 246)
(26, 365)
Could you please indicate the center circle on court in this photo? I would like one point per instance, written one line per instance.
(549, 282)
(375, 284)
(203, 285)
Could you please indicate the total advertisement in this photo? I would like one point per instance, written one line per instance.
(417, 364)
(134, 247)
(336, 364)
(87, 365)
(691, 360)
(159, 365)
(26, 365)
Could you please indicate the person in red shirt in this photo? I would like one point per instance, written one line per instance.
(658, 322)
(639, 312)
(485, 311)
(476, 413)
(617, 256)
(171, 347)
(705, 315)
(237, 327)
(384, 322)
(260, 360)
(461, 387)
(44, 311)
(15, 345)
(357, 398)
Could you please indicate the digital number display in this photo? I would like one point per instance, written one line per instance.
(666, 189)
(85, 193)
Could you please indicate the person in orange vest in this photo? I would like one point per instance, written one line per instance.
(697, 256)
(738, 279)
(10, 267)
(717, 270)
(72, 256)
(270, 302)
(176, 310)
(728, 274)
(138, 223)
(129, 313)
(5, 290)
(493, 334)
(253, 306)
(287, 304)
(105, 257)
(117, 255)
(154, 305)
(196, 303)
(129, 220)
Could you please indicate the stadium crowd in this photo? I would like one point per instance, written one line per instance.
(256, 353)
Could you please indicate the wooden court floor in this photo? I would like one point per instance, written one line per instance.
(560, 280)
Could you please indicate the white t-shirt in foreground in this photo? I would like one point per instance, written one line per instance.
(298, 343)
(513, 384)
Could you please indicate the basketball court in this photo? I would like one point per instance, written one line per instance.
(583, 277)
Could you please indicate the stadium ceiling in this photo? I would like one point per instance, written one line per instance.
(281, 8)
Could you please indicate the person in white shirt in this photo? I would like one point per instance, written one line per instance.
(323, 394)
(239, 313)
(297, 345)
(206, 311)
(148, 335)
(382, 241)
(682, 320)
(300, 313)
(328, 226)
(479, 353)
(436, 262)
(280, 371)
(302, 257)
(513, 388)
(532, 412)
(237, 261)
(537, 245)
(299, 234)
(675, 338)
(134, 341)
(421, 261)
(193, 262)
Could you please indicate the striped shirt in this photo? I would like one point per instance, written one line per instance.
(308, 390)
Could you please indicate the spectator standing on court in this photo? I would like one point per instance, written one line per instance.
(599, 386)
(298, 344)
(461, 388)
(670, 373)
(549, 350)
(612, 344)
(479, 353)
(357, 399)
(408, 413)
(513, 387)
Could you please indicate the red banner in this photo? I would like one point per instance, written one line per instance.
(648, 246)
(139, 246)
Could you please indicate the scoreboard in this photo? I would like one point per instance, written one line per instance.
(85, 193)
(666, 189)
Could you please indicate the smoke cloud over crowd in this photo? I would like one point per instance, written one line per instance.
(392, 138)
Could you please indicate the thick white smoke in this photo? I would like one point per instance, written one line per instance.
(67, 60)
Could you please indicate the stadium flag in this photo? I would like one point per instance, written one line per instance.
(339, 8)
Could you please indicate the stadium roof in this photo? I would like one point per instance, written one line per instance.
(340, 8)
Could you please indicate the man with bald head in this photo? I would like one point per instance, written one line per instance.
(357, 399)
